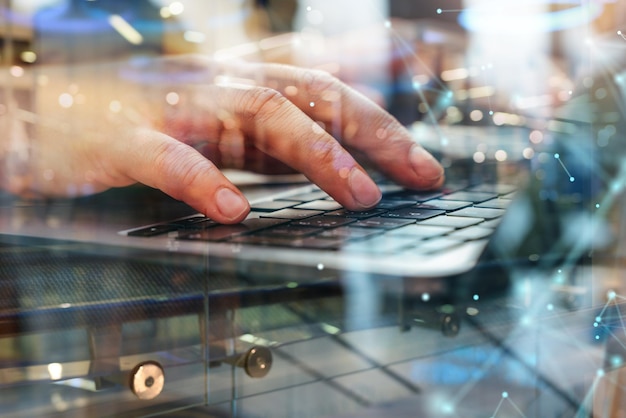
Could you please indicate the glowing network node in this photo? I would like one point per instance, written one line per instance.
(505, 394)
(619, 32)
(425, 297)
(611, 294)
(320, 266)
(312, 104)
(597, 206)
(447, 408)
(598, 319)
(475, 297)
(439, 11)
(558, 158)
(491, 112)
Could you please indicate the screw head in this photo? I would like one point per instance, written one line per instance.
(450, 325)
(258, 361)
(147, 380)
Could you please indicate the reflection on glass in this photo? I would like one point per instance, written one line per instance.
(133, 281)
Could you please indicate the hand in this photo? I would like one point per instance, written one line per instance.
(172, 123)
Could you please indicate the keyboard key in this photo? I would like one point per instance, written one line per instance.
(272, 205)
(292, 214)
(493, 223)
(444, 204)
(324, 221)
(382, 223)
(324, 205)
(194, 222)
(495, 204)
(414, 196)
(382, 244)
(223, 232)
(474, 197)
(348, 233)
(388, 204)
(345, 213)
(472, 233)
(451, 221)
(474, 212)
(288, 230)
(498, 189)
(308, 196)
(414, 212)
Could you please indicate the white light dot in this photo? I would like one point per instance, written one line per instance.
(479, 157)
(611, 294)
(66, 100)
(28, 56)
(475, 297)
(312, 104)
(165, 12)
(176, 8)
(505, 394)
(536, 137)
(17, 71)
(501, 155)
(55, 370)
(172, 98)
(425, 297)
(528, 153)
(439, 11)
(476, 115)
(320, 266)
(115, 106)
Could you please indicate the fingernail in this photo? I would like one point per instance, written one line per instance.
(230, 204)
(364, 190)
(424, 164)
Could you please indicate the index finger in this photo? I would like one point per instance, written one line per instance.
(359, 123)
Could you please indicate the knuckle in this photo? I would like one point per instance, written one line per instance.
(318, 82)
(261, 102)
(179, 171)
(323, 152)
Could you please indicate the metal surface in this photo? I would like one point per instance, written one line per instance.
(147, 380)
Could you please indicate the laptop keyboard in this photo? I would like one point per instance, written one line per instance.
(432, 221)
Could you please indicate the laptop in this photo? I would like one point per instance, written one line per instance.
(296, 231)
